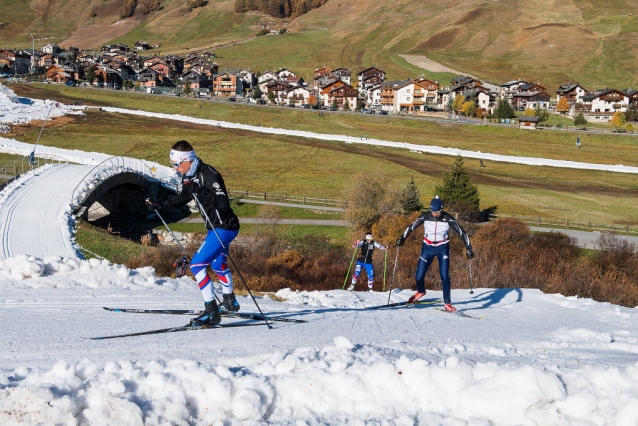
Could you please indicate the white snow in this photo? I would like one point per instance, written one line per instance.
(534, 358)
(402, 366)
(16, 110)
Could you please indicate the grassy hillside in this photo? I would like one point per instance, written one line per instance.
(553, 41)
(283, 164)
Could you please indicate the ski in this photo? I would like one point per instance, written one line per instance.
(175, 329)
(197, 312)
(406, 303)
(461, 314)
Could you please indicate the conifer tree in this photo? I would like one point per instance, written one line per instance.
(457, 191)
(411, 198)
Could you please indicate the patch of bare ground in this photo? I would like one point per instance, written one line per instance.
(428, 64)
(440, 41)
(471, 16)
(93, 36)
(35, 125)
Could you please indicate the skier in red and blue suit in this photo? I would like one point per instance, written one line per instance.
(365, 260)
(204, 182)
(436, 224)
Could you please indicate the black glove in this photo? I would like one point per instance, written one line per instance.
(153, 205)
(469, 252)
(400, 241)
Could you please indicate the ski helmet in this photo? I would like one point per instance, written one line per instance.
(436, 205)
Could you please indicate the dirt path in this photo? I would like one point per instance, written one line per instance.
(428, 64)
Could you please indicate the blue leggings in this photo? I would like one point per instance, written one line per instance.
(212, 253)
(369, 271)
(428, 253)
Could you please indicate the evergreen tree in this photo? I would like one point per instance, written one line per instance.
(257, 93)
(580, 120)
(504, 109)
(457, 191)
(411, 198)
(187, 87)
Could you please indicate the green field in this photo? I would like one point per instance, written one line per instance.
(283, 164)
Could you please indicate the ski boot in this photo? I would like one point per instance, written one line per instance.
(210, 316)
(415, 297)
(351, 287)
(230, 303)
(449, 308)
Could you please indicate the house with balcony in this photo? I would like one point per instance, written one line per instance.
(195, 80)
(227, 85)
(388, 89)
(533, 100)
(602, 104)
(573, 93)
(343, 96)
(408, 98)
(343, 74)
(368, 78)
(297, 96)
(268, 75)
(319, 72)
(510, 88)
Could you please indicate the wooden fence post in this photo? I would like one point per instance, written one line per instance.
(538, 221)
(304, 199)
(568, 223)
(264, 195)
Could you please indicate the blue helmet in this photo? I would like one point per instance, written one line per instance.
(436, 205)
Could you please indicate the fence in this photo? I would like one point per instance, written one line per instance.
(303, 199)
(104, 170)
(14, 168)
(567, 223)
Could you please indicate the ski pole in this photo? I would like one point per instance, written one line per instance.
(349, 267)
(471, 284)
(171, 231)
(179, 244)
(396, 260)
(385, 263)
(207, 219)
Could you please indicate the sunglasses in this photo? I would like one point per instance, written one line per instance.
(176, 164)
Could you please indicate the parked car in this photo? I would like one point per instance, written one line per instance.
(382, 112)
(70, 83)
(261, 102)
(306, 106)
(232, 100)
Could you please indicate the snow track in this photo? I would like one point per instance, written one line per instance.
(34, 215)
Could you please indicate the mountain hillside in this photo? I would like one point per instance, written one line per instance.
(552, 41)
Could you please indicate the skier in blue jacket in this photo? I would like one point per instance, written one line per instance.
(436, 224)
(204, 182)
(365, 260)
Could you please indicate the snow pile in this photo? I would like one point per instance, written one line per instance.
(15, 110)
(337, 384)
(63, 272)
(7, 95)
(326, 299)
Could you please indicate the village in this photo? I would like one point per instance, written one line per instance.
(117, 66)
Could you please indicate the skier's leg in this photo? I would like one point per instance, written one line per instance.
(355, 276)
(357, 271)
(219, 265)
(208, 251)
(370, 272)
(443, 256)
(422, 267)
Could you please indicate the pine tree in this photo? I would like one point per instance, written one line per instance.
(457, 191)
(411, 198)
(504, 110)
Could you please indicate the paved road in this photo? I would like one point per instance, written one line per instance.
(31, 218)
(585, 239)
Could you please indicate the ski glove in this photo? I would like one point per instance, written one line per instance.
(469, 252)
(400, 241)
(153, 205)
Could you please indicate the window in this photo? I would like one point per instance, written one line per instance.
(408, 99)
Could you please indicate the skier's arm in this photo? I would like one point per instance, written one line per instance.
(379, 246)
(457, 228)
(357, 243)
(418, 222)
(175, 200)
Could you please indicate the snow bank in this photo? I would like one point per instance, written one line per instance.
(15, 110)
(63, 272)
(337, 384)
